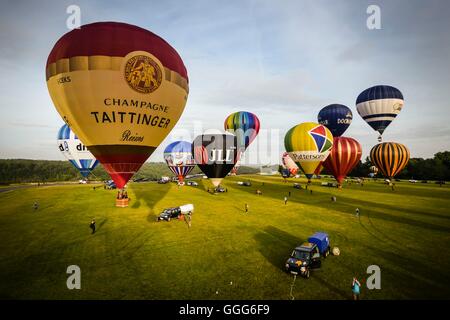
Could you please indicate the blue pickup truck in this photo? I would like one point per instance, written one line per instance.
(308, 255)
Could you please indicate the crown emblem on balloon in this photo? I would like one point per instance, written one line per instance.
(143, 74)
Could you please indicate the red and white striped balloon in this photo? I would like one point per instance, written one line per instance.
(344, 156)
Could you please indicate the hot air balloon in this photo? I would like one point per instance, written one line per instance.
(308, 144)
(390, 158)
(289, 164)
(344, 156)
(179, 159)
(319, 169)
(75, 151)
(120, 88)
(215, 154)
(336, 117)
(245, 126)
(379, 105)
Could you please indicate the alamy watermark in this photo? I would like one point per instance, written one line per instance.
(74, 19)
(373, 21)
(74, 280)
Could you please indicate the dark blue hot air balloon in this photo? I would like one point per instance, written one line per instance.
(336, 117)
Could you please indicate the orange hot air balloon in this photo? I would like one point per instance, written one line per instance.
(344, 156)
(120, 88)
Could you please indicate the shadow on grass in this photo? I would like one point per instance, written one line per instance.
(347, 206)
(416, 268)
(100, 225)
(149, 193)
(276, 245)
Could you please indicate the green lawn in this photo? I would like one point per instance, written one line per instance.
(226, 254)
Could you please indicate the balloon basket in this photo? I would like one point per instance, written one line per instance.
(122, 203)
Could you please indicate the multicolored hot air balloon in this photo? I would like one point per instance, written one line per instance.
(245, 126)
(289, 164)
(336, 117)
(308, 144)
(390, 158)
(179, 159)
(379, 105)
(120, 88)
(344, 156)
(75, 151)
(215, 154)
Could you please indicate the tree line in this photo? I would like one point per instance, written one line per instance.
(24, 171)
(436, 168)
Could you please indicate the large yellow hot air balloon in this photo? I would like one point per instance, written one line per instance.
(120, 88)
(308, 144)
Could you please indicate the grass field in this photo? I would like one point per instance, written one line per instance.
(226, 254)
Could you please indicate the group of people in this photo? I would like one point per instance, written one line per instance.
(122, 194)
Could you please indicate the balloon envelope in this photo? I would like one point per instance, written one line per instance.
(308, 144)
(244, 125)
(390, 158)
(120, 88)
(379, 105)
(75, 151)
(336, 117)
(179, 159)
(344, 156)
(215, 154)
(289, 164)
(319, 169)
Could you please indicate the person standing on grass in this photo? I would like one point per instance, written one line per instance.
(92, 226)
(246, 208)
(285, 200)
(36, 205)
(289, 193)
(356, 288)
(357, 212)
(188, 218)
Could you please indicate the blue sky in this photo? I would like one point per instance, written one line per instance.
(283, 60)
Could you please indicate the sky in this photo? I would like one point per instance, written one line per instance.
(282, 60)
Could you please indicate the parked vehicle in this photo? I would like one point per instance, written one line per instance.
(110, 184)
(220, 189)
(306, 257)
(192, 183)
(175, 212)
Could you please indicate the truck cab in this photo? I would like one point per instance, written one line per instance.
(303, 259)
(308, 255)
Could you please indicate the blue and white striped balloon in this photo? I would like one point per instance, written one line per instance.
(179, 159)
(379, 105)
(75, 151)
